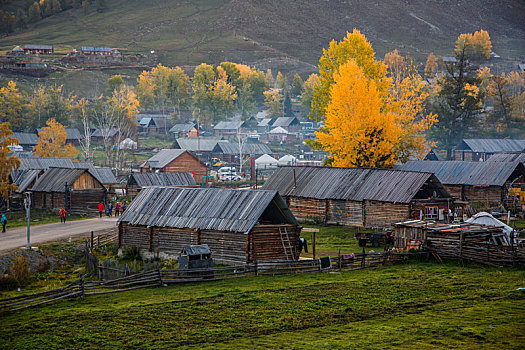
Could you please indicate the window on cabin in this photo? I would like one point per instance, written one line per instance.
(431, 213)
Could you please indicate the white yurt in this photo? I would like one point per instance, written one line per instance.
(128, 144)
(266, 162)
(287, 160)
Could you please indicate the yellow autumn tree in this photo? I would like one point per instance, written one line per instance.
(369, 126)
(431, 65)
(476, 45)
(7, 162)
(52, 142)
(11, 105)
(353, 46)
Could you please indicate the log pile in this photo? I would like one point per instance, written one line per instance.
(475, 246)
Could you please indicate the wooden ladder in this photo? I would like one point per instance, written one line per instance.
(287, 245)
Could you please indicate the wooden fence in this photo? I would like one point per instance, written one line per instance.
(159, 277)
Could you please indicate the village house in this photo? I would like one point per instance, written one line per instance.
(201, 147)
(175, 161)
(16, 51)
(152, 124)
(26, 139)
(359, 196)
(138, 181)
(281, 135)
(228, 129)
(229, 151)
(290, 124)
(264, 125)
(508, 157)
(38, 49)
(184, 130)
(485, 184)
(239, 226)
(482, 149)
(99, 134)
(77, 190)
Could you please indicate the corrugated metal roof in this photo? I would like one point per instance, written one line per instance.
(110, 133)
(265, 122)
(196, 249)
(45, 163)
(105, 176)
(182, 128)
(54, 179)
(195, 144)
(285, 121)
(163, 179)
(507, 157)
(24, 178)
(247, 148)
(38, 47)
(203, 208)
(73, 134)
(492, 145)
(229, 125)
(465, 173)
(26, 138)
(164, 157)
(355, 184)
(95, 48)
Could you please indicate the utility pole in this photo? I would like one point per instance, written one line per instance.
(27, 204)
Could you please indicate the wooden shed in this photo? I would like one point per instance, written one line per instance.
(358, 196)
(77, 190)
(138, 181)
(482, 183)
(483, 149)
(239, 226)
(175, 161)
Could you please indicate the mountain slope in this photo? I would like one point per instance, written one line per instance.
(288, 35)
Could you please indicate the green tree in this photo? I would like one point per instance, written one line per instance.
(458, 104)
(258, 84)
(274, 101)
(48, 8)
(308, 93)
(114, 83)
(297, 85)
(287, 106)
(21, 19)
(178, 89)
(57, 7)
(34, 12)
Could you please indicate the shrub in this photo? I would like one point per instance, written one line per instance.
(20, 269)
(8, 282)
(131, 253)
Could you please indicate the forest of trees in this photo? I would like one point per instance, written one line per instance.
(33, 11)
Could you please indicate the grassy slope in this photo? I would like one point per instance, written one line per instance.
(410, 306)
(293, 33)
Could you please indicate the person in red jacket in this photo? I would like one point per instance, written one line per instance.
(63, 213)
(100, 209)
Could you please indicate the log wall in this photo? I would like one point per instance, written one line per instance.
(307, 209)
(348, 213)
(264, 242)
(86, 181)
(186, 162)
(382, 214)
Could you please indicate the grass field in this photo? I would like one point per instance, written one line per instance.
(419, 306)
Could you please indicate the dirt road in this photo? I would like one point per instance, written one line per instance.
(17, 237)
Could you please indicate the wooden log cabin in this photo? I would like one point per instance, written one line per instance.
(360, 197)
(174, 161)
(138, 181)
(77, 190)
(239, 226)
(483, 184)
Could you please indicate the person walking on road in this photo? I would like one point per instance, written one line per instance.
(63, 214)
(4, 222)
(124, 207)
(100, 209)
(110, 209)
(117, 209)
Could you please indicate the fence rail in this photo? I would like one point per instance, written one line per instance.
(157, 277)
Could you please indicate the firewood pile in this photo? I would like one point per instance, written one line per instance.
(483, 246)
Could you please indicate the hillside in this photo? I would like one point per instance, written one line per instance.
(288, 35)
